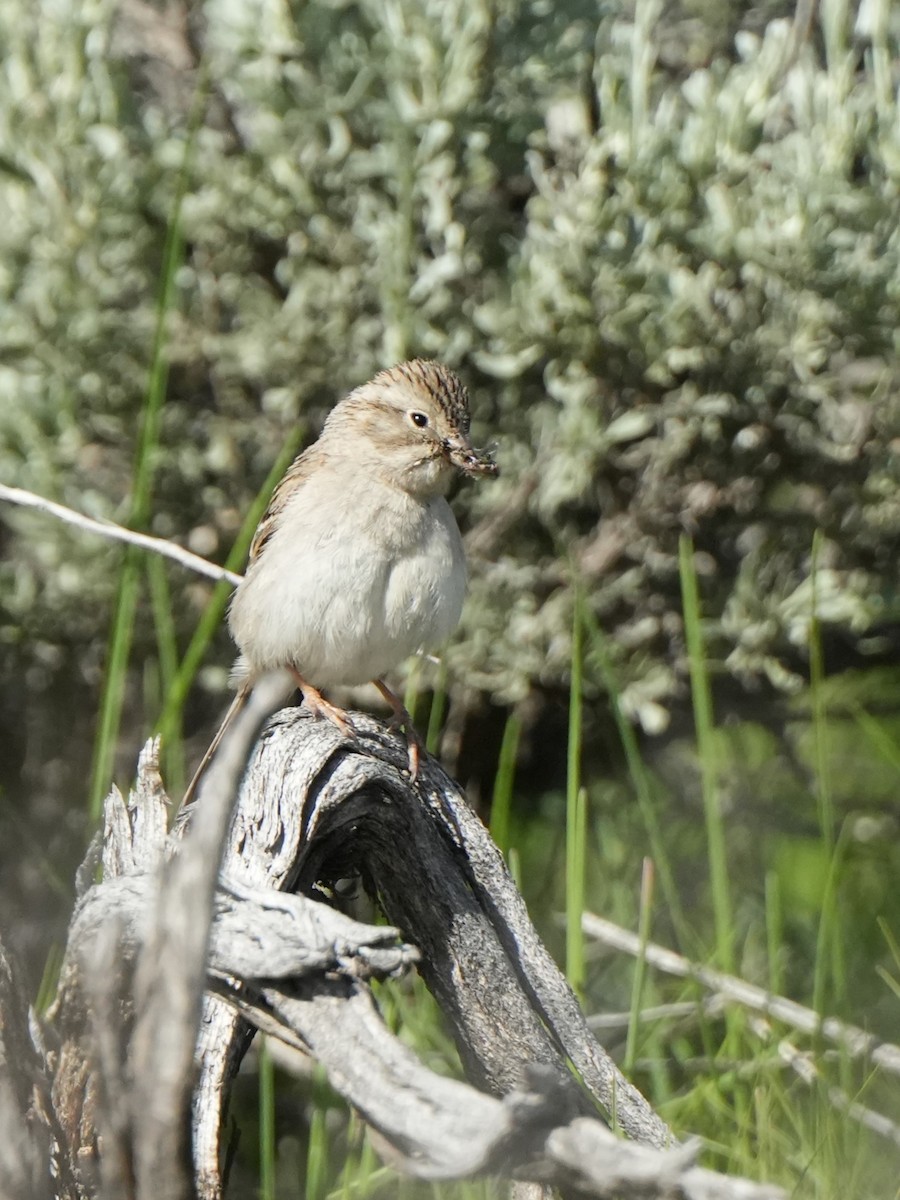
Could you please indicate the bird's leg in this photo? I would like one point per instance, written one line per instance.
(402, 719)
(320, 707)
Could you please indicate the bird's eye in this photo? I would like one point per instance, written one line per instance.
(419, 419)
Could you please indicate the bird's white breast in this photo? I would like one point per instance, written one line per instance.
(357, 576)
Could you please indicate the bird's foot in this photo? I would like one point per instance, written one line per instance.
(320, 707)
(401, 719)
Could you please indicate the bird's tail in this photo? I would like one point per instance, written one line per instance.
(234, 708)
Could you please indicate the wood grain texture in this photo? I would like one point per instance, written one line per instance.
(240, 900)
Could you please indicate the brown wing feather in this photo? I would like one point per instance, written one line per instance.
(299, 470)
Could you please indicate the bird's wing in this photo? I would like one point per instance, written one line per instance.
(297, 474)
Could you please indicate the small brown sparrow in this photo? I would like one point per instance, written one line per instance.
(358, 561)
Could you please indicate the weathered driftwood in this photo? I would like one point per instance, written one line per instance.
(313, 809)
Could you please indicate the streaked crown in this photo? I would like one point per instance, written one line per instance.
(438, 382)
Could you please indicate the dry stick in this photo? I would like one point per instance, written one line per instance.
(30, 1136)
(616, 1022)
(803, 1065)
(851, 1039)
(548, 992)
(875, 1122)
(171, 973)
(299, 969)
(312, 806)
(118, 533)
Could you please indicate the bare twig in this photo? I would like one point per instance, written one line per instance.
(804, 1066)
(853, 1041)
(118, 533)
(30, 1162)
(617, 1022)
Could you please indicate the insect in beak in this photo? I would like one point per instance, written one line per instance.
(463, 455)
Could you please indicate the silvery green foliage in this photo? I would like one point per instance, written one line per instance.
(707, 281)
(663, 251)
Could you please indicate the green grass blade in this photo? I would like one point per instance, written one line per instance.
(266, 1122)
(824, 797)
(141, 498)
(885, 745)
(438, 711)
(701, 696)
(576, 843)
(774, 934)
(640, 777)
(163, 620)
(893, 943)
(114, 682)
(640, 967)
(47, 988)
(412, 690)
(829, 974)
(317, 1149)
(576, 813)
(360, 1164)
(501, 802)
(167, 653)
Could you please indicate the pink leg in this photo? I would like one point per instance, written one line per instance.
(320, 707)
(402, 719)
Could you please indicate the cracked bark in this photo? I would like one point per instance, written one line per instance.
(173, 963)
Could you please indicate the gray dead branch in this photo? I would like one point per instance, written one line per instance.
(193, 940)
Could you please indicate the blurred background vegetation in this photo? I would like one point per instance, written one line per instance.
(659, 241)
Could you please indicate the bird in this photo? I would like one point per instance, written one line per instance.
(358, 562)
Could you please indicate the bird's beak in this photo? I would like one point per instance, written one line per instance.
(463, 455)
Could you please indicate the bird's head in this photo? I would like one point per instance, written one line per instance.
(410, 425)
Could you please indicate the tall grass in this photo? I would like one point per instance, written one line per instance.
(504, 781)
(317, 1157)
(576, 810)
(639, 776)
(829, 967)
(266, 1121)
(140, 508)
(640, 967)
(707, 753)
